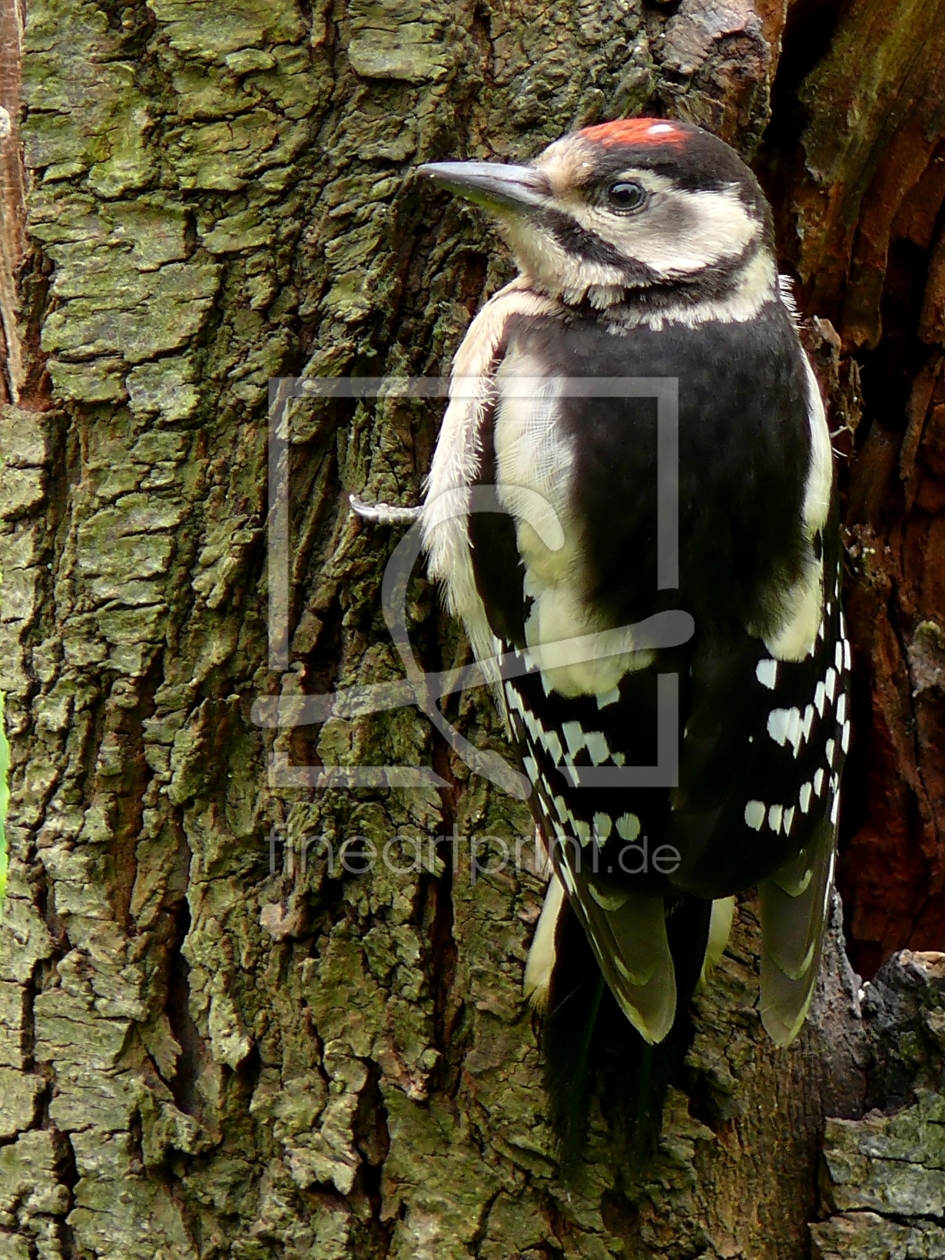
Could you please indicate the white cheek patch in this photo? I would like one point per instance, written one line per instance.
(549, 266)
(681, 231)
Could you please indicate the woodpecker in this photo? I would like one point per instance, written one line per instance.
(645, 251)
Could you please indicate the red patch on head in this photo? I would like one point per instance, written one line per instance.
(635, 131)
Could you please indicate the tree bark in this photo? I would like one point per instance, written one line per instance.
(207, 1053)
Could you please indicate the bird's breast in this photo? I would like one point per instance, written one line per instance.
(594, 466)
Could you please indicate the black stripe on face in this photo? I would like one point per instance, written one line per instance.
(718, 279)
(590, 248)
(715, 283)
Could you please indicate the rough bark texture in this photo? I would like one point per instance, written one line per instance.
(200, 1057)
(884, 1175)
(856, 159)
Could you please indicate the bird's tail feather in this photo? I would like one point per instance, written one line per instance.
(588, 1043)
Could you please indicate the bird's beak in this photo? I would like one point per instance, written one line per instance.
(492, 185)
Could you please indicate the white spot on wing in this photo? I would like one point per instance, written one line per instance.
(767, 673)
(553, 746)
(831, 683)
(597, 746)
(784, 727)
(804, 800)
(603, 824)
(628, 826)
(774, 818)
(778, 725)
(794, 729)
(755, 815)
(574, 737)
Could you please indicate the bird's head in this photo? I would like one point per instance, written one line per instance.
(642, 209)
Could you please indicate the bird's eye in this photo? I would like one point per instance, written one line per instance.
(626, 195)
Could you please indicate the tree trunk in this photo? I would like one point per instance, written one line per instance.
(217, 1037)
